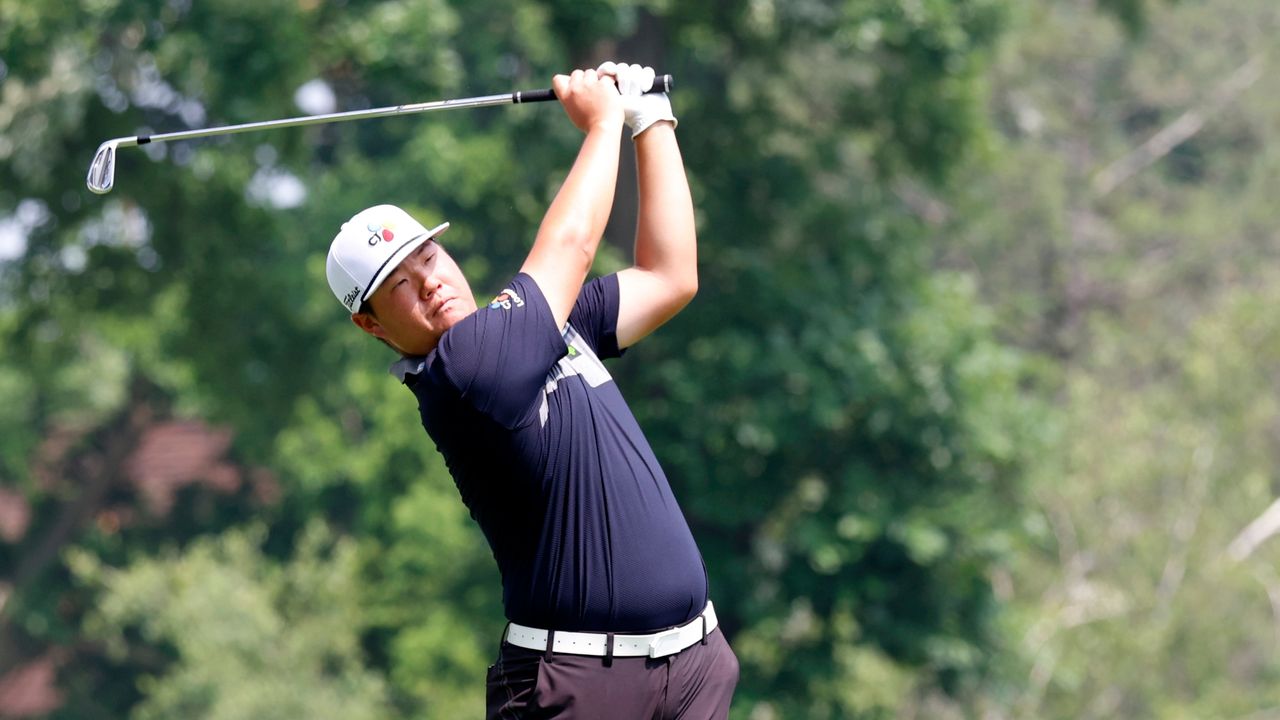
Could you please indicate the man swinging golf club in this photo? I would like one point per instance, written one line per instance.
(603, 585)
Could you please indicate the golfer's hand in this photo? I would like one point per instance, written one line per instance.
(640, 110)
(590, 99)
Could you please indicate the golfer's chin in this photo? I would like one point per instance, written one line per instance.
(425, 339)
(453, 312)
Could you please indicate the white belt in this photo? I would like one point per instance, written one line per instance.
(654, 645)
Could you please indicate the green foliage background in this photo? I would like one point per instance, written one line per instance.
(962, 430)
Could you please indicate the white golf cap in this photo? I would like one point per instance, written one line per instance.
(369, 247)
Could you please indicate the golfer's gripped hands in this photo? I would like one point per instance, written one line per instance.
(641, 109)
(591, 100)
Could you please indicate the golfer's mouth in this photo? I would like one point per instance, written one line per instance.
(440, 308)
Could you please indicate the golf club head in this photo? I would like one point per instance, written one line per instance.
(102, 171)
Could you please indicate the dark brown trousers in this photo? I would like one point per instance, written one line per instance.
(696, 683)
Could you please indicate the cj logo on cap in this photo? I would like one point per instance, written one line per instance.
(380, 232)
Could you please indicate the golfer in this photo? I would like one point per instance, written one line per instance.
(602, 582)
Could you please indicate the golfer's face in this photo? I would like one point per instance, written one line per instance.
(421, 299)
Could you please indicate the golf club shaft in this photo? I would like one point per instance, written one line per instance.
(102, 171)
(661, 83)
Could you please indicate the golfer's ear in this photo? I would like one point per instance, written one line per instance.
(367, 323)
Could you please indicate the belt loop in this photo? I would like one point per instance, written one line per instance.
(551, 638)
(704, 628)
(506, 630)
(608, 650)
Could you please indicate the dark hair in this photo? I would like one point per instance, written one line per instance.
(367, 309)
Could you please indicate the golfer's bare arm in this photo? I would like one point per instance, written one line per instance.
(571, 229)
(664, 277)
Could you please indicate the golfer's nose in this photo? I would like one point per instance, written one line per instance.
(430, 284)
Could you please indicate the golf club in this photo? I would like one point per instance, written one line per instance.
(102, 171)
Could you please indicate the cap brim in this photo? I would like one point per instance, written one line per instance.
(398, 257)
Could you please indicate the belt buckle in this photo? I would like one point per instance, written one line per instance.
(658, 646)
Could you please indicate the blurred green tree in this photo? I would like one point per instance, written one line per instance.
(250, 636)
(1123, 229)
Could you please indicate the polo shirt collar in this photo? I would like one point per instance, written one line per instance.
(407, 366)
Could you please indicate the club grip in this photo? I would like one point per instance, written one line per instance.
(661, 83)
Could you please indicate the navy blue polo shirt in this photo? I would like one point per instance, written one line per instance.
(554, 468)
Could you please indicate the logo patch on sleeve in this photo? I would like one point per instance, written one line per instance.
(505, 299)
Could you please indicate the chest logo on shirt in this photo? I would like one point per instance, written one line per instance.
(581, 362)
(505, 300)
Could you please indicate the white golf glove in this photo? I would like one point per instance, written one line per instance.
(640, 108)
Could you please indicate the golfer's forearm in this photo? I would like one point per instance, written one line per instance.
(577, 217)
(666, 239)
(570, 232)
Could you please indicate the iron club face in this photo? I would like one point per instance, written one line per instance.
(102, 171)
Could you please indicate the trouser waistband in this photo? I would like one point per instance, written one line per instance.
(609, 645)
